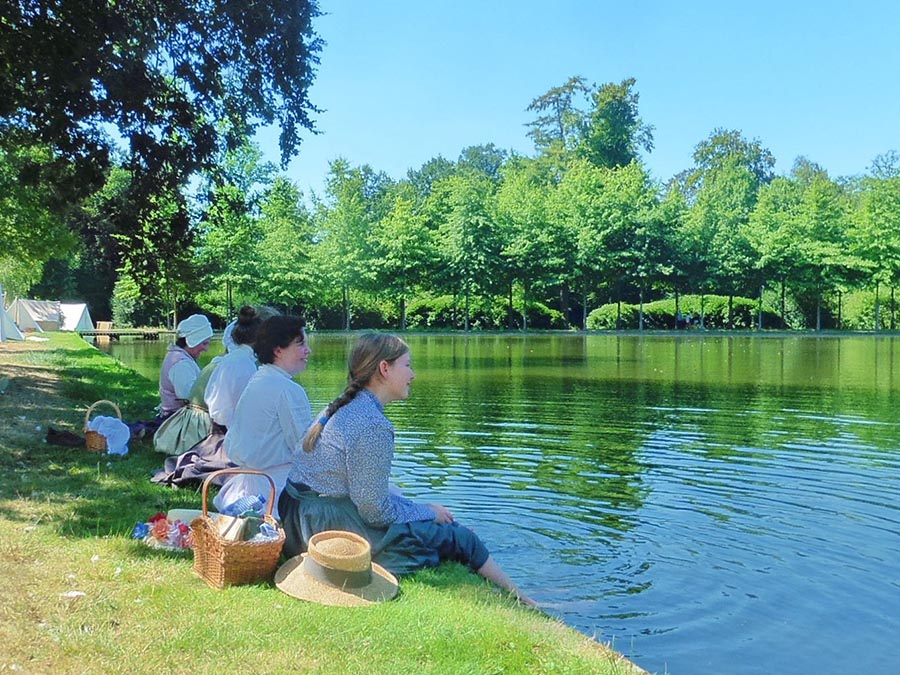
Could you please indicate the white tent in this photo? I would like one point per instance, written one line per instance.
(8, 328)
(75, 316)
(36, 315)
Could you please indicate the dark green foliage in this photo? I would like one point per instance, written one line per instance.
(177, 80)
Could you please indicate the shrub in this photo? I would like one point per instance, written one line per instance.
(660, 314)
(431, 312)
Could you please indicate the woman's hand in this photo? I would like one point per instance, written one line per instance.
(441, 513)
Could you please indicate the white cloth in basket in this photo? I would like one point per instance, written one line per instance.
(115, 431)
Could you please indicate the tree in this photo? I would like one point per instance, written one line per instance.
(771, 232)
(286, 275)
(404, 248)
(229, 229)
(534, 250)
(486, 159)
(729, 146)
(432, 171)
(875, 232)
(468, 240)
(823, 259)
(32, 219)
(346, 219)
(175, 81)
(613, 133)
(90, 271)
(607, 213)
(722, 190)
(559, 126)
(227, 251)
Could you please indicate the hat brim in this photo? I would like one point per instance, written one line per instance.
(196, 337)
(292, 579)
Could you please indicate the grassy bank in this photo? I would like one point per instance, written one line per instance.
(78, 595)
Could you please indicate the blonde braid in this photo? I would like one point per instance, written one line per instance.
(370, 349)
(315, 429)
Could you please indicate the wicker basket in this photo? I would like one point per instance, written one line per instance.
(220, 562)
(93, 439)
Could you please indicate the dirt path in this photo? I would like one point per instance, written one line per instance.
(30, 393)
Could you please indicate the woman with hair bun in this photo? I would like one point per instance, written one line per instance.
(235, 369)
(273, 413)
(341, 479)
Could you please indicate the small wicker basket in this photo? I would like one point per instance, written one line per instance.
(93, 439)
(220, 562)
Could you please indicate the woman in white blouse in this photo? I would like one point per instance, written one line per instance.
(272, 415)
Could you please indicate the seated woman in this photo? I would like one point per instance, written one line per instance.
(178, 373)
(179, 367)
(272, 414)
(341, 480)
(221, 384)
(189, 424)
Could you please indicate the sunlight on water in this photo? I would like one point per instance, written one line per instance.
(708, 504)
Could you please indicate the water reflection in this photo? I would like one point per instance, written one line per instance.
(710, 504)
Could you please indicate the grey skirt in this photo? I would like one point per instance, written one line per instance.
(401, 548)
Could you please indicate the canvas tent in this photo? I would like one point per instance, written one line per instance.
(75, 316)
(8, 328)
(36, 315)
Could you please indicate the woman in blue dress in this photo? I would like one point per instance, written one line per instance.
(341, 480)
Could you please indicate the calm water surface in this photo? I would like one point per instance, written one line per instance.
(706, 504)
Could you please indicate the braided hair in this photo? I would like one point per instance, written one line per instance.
(365, 358)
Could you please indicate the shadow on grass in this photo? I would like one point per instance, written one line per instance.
(82, 493)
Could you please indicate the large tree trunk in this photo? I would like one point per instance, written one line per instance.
(840, 321)
(877, 307)
(892, 308)
(564, 304)
(584, 309)
(346, 300)
(678, 311)
(641, 308)
(760, 322)
(525, 305)
(818, 312)
(229, 296)
(466, 324)
(783, 320)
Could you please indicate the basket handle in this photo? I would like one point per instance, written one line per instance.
(87, 415)
(222, 472)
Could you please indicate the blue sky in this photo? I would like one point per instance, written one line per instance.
(403, 81)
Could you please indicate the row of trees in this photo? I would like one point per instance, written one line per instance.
(175, 210)
(500, 240)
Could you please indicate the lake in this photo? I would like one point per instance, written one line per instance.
(705, 504)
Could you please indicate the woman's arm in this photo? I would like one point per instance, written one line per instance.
(294, 416)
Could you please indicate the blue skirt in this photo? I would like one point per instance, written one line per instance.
(401, 548)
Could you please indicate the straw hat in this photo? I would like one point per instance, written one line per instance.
(194, 329)
(337, 570)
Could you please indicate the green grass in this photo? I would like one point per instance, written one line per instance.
(78, 595)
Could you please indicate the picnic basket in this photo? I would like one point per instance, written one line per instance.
(94, 440)
(221, 562)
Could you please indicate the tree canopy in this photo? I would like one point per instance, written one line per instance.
(158, 87)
